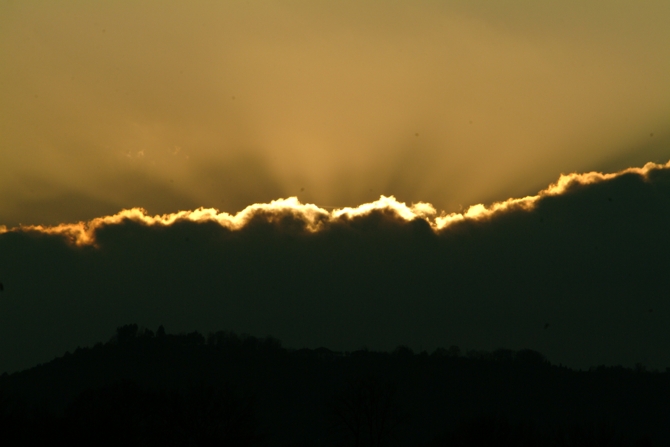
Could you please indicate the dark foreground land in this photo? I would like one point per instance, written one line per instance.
(158, 389)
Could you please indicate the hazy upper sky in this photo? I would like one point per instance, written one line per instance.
(171, 105)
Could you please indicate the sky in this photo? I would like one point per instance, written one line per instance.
(170, 105)
(346, 174)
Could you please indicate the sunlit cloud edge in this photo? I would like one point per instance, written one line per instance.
(316, 218)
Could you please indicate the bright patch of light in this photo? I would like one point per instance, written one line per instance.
(316, 218)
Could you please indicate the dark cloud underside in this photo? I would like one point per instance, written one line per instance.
(591, 261)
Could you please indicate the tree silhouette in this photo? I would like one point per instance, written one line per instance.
(126, 334)
(126, 414)
(368, 411)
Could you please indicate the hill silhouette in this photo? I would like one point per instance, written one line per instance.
(154, 388)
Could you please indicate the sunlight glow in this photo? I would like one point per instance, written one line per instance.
(316, 218)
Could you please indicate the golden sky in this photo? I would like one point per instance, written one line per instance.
(175, 105)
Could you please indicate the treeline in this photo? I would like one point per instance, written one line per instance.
(125, 414)
(231, 342)
(147, 387)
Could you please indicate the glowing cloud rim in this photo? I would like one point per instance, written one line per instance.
(316, 218)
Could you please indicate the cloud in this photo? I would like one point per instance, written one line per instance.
(316, 219)
(589, 255)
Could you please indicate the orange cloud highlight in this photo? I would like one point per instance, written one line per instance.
(316, 218)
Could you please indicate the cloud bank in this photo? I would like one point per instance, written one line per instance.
(577, 271)
(316, 219)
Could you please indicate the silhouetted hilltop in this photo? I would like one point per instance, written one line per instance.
(189, 389)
